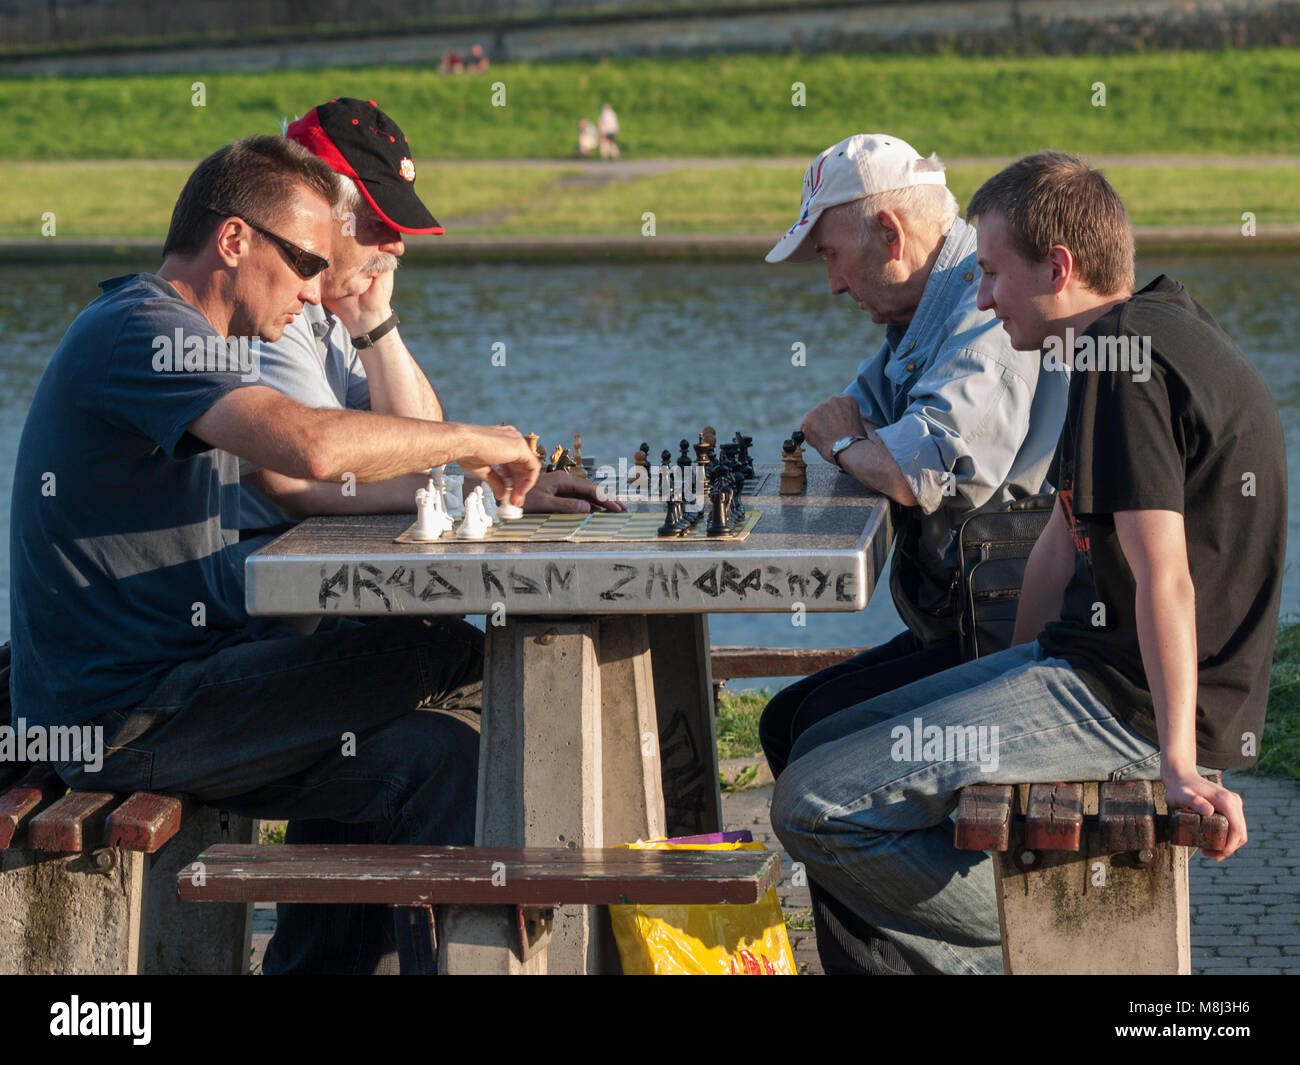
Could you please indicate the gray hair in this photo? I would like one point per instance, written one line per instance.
(349, 196)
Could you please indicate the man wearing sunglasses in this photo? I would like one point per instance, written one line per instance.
(127, 598)
(349, 353)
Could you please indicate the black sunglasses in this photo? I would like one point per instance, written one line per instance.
(306, 264)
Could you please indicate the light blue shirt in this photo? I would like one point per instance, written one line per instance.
(315, 363)
(968, 419)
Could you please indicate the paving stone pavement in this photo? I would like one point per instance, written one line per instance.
(1245, 911)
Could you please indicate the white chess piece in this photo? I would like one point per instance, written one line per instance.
(431, 519)
(474, 525)
(488, 500)
(507, 511)
(450, 486)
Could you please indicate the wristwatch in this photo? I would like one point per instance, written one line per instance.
(842, 444)
(385, 327)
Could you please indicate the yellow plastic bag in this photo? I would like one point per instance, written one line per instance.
(703, 940)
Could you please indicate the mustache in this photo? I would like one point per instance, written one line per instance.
(380, 263)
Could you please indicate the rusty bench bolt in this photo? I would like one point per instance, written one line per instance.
(1025, 858)
(104, 860)
(549, 637)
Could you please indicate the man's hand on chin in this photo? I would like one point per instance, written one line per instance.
(371, 306)
(831, 420)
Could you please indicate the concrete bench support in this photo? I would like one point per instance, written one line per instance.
(1088, 877)
(108, 909)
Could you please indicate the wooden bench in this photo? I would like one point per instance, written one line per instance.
(734, 663)
(521, 886)
(87, 882)
(1092, 877)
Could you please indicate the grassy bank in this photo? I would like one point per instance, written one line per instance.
(135, 199)
(1213, 103)
(738, 714)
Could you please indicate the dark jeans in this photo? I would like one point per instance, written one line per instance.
(365, 733)
(846, 943)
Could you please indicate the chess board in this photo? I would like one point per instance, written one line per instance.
(597, 527)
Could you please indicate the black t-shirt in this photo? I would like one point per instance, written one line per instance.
(1201, 437)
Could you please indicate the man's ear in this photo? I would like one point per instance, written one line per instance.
(1061, 260)
(232, 241)
(891, 228)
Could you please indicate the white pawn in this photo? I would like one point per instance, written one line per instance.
(488, 500)
(474, 525)
(431, 519)
(451, 494)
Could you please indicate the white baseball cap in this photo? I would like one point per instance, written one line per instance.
(858, 166)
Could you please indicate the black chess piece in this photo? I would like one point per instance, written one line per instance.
(673, 518)
(744, 443)
(798, 438)
(665, 474)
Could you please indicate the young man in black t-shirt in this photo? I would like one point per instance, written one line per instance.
(1150, 603)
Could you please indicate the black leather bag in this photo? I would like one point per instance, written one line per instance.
(994, 546)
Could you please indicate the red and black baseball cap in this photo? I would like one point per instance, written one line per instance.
(359, 140)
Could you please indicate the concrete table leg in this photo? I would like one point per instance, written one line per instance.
(568, 757)
(683, 683)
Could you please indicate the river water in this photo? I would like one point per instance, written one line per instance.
(628, 352)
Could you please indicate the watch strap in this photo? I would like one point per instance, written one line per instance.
(835, 455)
(366, 340)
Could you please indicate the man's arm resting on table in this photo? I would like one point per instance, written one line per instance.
(1047, 573)
(301, 498)
(276, 433)
(867, 461)
(1154, 543)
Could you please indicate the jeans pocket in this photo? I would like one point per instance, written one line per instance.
(106, 767)
(1147, 768)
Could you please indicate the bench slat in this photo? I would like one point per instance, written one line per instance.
(1190, 829)
(37, 789)
(729, 663)
(1126, 816)
(417, 876)
(983, 818)
(66, 826)
(1054, 821)
(144, 822)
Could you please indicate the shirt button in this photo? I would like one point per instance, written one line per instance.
(969, 277)
(911, 366)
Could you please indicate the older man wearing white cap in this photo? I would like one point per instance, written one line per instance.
(945, 417)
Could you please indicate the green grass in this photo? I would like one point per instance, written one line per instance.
(1280, 748)
(135, 199)
(737, 723)
(1193, 103)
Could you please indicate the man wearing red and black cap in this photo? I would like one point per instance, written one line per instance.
(349, 353)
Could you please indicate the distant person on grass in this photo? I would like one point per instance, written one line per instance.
(944, 418)
(1149, 611)
(607, 129)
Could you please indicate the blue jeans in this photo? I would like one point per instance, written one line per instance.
(845, 945)
(865, 800)
(363, 733)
